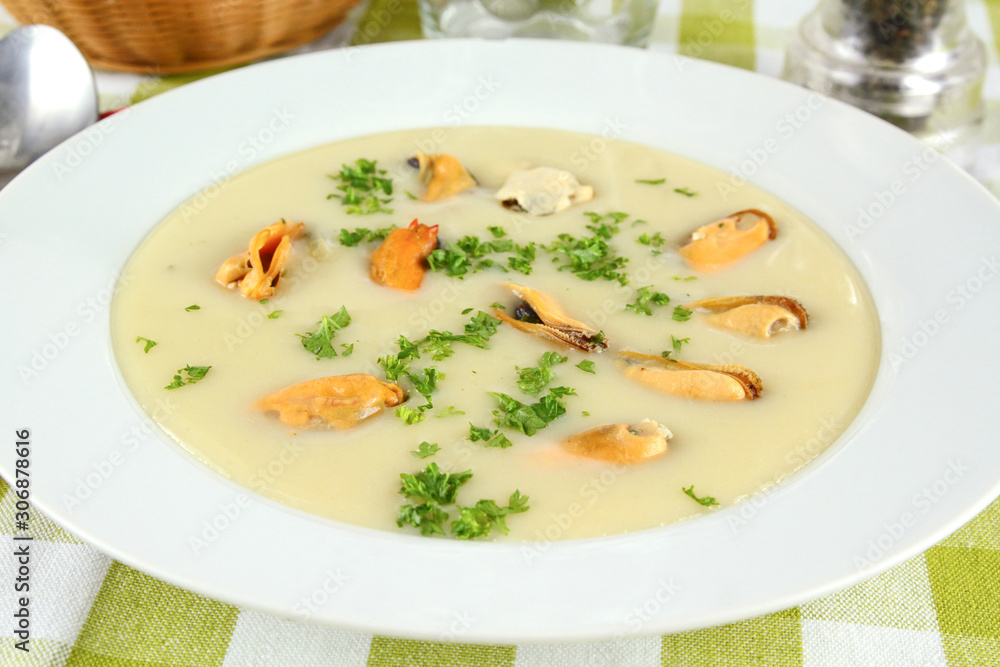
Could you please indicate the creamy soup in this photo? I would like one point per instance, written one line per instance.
(815, 380)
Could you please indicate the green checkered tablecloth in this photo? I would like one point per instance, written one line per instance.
(939, 608)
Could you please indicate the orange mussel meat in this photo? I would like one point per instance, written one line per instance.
(401, 260)
(256, 270)
(338, 401)
(720, 243)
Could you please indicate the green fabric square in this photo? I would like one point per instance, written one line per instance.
(139, 620)
(970, 651)
(982, 532)
(719, 30)
(899, 598)
(40, 526)
(386, 652)
(774, 640)
(966, 585)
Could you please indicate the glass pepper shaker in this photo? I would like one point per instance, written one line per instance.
(914, 63)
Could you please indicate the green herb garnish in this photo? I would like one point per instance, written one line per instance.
(274, 314)
(587, 366)
(425, 449)
(194, 373)
(432, 484)
(193, 307)
(651, 181)
(645, 298)
(533, 380)
(490, 438)
(320, 342)
(410, 416)
(590, 257)
(364, 188)
(363, 235)
(655, 241)
(527, 419)
(479, 520)
(682, 314)
(686, 192)
(432, 488)
(149, 344)
(707, 501)
(676, 343)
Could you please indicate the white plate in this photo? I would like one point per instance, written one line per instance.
(918, 462)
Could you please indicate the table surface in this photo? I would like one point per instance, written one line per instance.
(939, 608)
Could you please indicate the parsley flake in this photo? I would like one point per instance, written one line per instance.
(651, 181)
(707, 501)
(682, 314)
(149, 344)
(587, 366)
(533, 380)
(193, 307)
(320, 342)
(410, 416)
(645, 298)
(194, 373)
(489, 438)
(425, 449)
(364, 188)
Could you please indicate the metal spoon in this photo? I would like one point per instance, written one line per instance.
(47, 94)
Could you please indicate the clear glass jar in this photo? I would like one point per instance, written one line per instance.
(914, 63)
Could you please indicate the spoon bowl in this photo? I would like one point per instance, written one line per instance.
(47, 94)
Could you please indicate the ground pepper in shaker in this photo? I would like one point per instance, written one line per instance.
(913, 63)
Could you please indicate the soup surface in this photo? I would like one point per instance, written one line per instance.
(815, 380)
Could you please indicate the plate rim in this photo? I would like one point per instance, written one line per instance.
(685, 616)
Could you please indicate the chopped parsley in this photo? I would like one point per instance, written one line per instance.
(685, 191)
(149, 344)
(707, 501)
(410, 416)
(428, 517)
(193, 307)
(348, 349)
(645, 298)
(528, 419)
(363, 235)
(587, 366)
(320, 342)
(394, 366)
(274, 314)
(470, 253)
(682, 314)
(651, 181)
(364, 189)
(533, 380)
(490, 438)
(676, 343)
(497, 232)
(450, 411)
(432, 488)
(425, 381)
(425, 449)
(479, 520)
(194, 373)
(590, 257)
(654, 241)
(433, 485)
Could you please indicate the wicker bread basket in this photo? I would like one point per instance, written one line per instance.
(172, 36)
